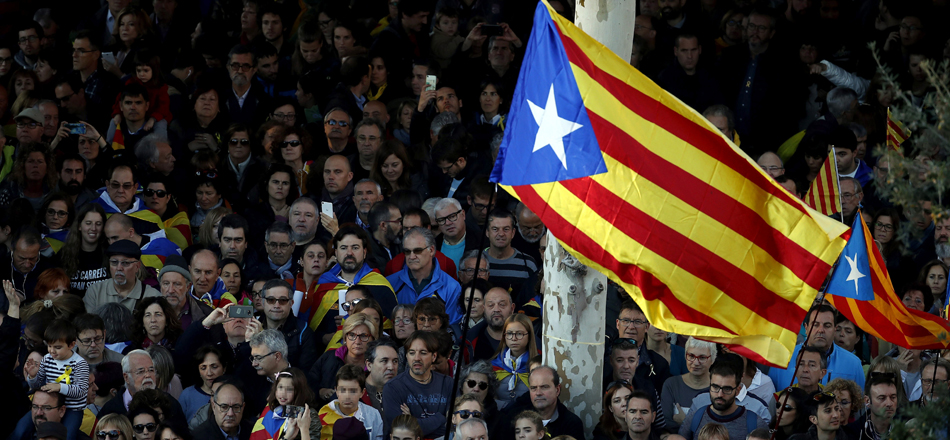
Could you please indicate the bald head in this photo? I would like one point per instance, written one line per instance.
(376, 110)
(119, 227)
(771, 164)
(336, 174)
(204, 271)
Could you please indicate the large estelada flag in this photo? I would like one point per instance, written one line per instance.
(896, 132)
(641, 188)
(824, 194)
(861, 290)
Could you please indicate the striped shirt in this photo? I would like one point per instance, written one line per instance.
(511, 272)
(72, 376)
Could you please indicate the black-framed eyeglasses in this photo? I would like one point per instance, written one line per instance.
(90, 341)
(258, 359)
(472, 383)
(449, 218)
(45, 408)
(243, 142)
(115, 184)
(417, 251)
(103, 435)
(148, 192)
(64, 98)
(81, 51)
(284, 116)
(21, 124)
(884, 227)
(637, 322)
(515, 336)
(714, 388)
(471, 270)
(150, 427)
(225, 407)
(237, 67)
(55, 213)
(364, 337)
(23, 40)
(465, 414)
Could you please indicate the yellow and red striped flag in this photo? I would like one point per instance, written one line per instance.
(824, 194)
(861, 289)
(896, 132)
(642, 188)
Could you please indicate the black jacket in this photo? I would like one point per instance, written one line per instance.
(698, 91)
(237, 192)
(255, 107)
(301, 345)
(117, 406)
(209, 430)
(342, 97)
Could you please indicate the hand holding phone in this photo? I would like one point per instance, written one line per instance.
(326, 208)
(236, 311)
(431, 81)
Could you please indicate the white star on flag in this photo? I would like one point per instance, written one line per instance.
(855, 274)
(551, 127)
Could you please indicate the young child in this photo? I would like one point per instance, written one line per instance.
(64, 371)
(148, 72)
(350, 386)
(445, 38)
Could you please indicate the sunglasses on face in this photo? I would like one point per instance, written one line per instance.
(243, 142)
(155, 192)
(294, 143)
(150, 427)
(481, 385)
(103, 435)
(464, 414)
(340, 123)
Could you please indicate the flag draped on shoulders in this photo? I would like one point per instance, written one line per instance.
(642, 188)
(861, 290)
(267, 427)
(824, 194)
(324, 298)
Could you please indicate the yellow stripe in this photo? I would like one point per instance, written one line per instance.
(689, 289)
(786, 219)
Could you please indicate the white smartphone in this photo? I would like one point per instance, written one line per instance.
(431, 81)
(327, 208)
(108, 58)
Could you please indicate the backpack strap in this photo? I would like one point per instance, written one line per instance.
(751, 420)
(697, 419)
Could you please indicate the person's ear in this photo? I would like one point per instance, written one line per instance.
(813, 420)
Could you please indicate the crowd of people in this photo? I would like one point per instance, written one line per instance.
(248, 219)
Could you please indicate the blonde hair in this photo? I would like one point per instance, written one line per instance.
(208, 232)
(119, 421)
(358, 319)
(711, 431)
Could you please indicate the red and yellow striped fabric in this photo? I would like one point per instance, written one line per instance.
(896, 132)
(824, 194)
(885, 316)
(705, 242)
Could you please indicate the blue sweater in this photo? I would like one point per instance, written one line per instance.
(441, 285)
(428, 403)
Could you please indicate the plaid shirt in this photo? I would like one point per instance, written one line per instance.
(95, 86)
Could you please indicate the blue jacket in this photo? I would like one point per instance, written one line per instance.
(442, 286)
(864, 174)
(840, 364)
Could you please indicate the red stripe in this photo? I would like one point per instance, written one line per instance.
(827, 207)
(704, 197)
(897, 128)
(666, 118)
(832, 195)
(652, 288)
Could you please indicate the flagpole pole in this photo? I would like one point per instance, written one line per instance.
(463, 338)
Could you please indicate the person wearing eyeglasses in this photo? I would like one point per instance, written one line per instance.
(678, 391)
(91, 344)
(467, 406)
(517, 346)
(350, 93)
(114, 427)
(53, 220)
(422, 275)
(228, 407)
(933, 381)
(144, 423)
(725, 387)
(793, 412)
(454, 241)
(337, 127)
(279, 245)
(259, 360)
(278, 300)
(358, 331)
(29, 126)
(240, 169)
(247, 103)
(123, 287)
(31, 38)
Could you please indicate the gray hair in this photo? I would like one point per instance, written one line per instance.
(723, 111)
(446, 202)
(429, 207)
(471, 255)
(306, 200)
(400, 307)
(146, 151)
(857, 184)
(43, 16)
(280, 228)
(480, 366)
(466, 422)
(271, 338)
(858, 130)
(372, 122)
(441, 120)
(425, 233)
(127, 364)
(839, 100)
(699, 345)
(326, 116)
(379, 190)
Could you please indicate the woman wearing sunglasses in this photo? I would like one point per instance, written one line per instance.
(516, 348)
(466, 406)
(144, 423)
(794, 417)
(114, 427)
(295, 143)
(358, 331)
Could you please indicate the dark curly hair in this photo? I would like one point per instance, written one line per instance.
(172, 324)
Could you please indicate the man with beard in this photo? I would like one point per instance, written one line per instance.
(305, 221)
(530, 231)
(881, 400)
(47, 407)
(724, 386)
(382, 364)
(24, 264)
(840, 363)
(351, 245)
(279, 244)
(932, 381)
(366, 194)
(639, 416)
(174, 280)
(247, 103)
(123, 288)
(419, 388)
(72, 174)
(483, 339)
(385, 223)
(941, 238)
(454, 241)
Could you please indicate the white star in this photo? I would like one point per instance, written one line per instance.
(552, 128)
(855, 274)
